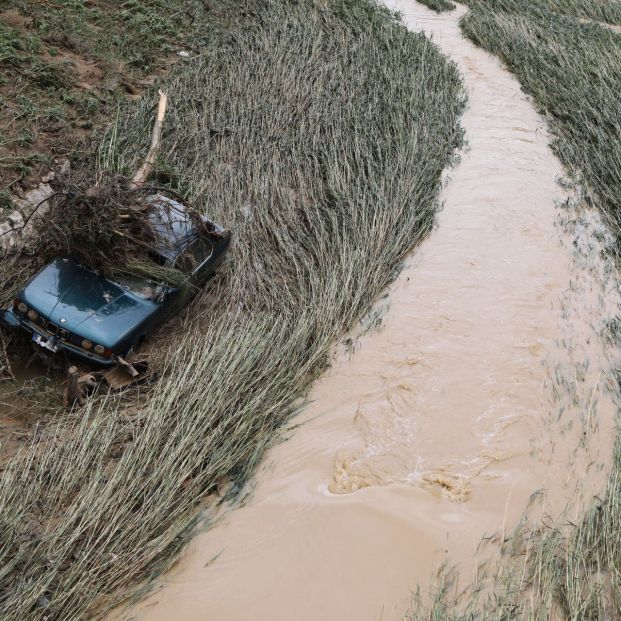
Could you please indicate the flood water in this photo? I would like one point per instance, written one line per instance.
(487, 381)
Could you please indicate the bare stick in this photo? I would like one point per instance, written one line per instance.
(5, 365)
(145, 170)
(73, 394)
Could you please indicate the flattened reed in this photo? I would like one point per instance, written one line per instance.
(608, 11)
(318, 133)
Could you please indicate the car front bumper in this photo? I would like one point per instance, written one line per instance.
(11, 320)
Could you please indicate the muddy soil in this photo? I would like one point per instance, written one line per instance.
(25, 403)
(488, 383)
(63, 81)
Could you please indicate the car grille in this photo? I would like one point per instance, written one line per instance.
(55, 330)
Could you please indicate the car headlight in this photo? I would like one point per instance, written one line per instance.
(22, 308)
(32, 314)
(99, 349)
(86, 344)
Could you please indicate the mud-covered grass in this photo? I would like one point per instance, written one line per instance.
(557, 569)
(566, 568)
(317, 133)
(65, 65)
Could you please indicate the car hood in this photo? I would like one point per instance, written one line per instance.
(80, 301)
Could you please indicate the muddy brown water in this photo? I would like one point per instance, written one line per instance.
(487, 381)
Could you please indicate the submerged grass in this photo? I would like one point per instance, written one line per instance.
(318, 133)
(556, 570)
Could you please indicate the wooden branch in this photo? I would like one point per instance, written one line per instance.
(144, 171)
(5, 365)
(73, 393)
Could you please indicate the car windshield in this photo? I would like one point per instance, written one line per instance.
(171, 223)
(141, 288)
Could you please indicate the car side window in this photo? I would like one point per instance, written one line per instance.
(194, 256)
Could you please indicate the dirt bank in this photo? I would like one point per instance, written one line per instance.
(487, 382)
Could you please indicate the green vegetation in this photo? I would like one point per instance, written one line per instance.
(65, 64)
(571, 69)
(316, 132)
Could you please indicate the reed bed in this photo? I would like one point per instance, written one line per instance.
(605, 11)
(317, 132)
(608, 11)
(558, 569)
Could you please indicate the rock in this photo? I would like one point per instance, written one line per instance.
(33, 197)
(65, 168)
(16, 219)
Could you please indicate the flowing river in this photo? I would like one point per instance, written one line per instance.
(487, 380)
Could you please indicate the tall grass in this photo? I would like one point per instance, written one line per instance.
(318, 133)
(556, 570)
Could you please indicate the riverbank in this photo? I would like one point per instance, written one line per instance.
(63, 78)
(566, 56)
(484, 396)
(268, 132)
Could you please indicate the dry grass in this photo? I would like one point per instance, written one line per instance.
(316, 132)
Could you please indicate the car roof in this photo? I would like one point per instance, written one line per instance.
(172, 225)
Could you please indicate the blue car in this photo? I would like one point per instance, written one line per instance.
(68, 307)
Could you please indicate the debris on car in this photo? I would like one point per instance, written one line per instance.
(124, 257)
(70, 307)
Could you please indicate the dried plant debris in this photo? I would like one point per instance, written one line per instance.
(6, 371)
(112, 229)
